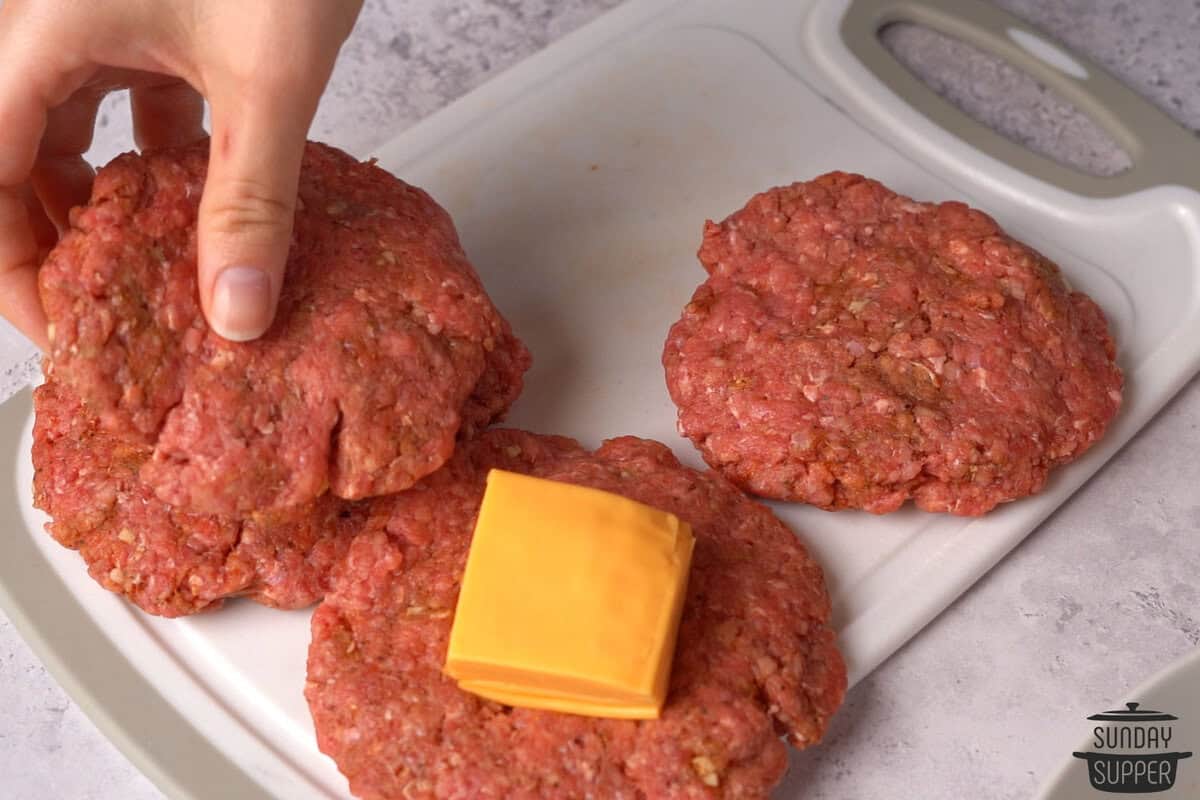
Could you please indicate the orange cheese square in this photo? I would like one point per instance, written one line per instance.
(570, 600)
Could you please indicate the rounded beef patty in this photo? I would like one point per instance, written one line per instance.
(755, 656)
(167, 561)
(384, 348)
(853, 348)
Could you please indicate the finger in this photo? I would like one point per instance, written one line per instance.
(60, 175)
(35, 78)
(169, 114)
(70, 126)
(31, 82)
(247, 211)
(19, 300)
(62, 183)
(22, 119)
(45, 234)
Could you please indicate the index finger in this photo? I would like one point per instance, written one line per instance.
(22, 119)
(28, 88)
(20, 302)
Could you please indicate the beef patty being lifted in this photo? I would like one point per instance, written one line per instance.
(853, 348)
(385, 346)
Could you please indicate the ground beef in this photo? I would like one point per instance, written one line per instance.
(755, 656)
(170, 562)
(853, 348)
(384, 348)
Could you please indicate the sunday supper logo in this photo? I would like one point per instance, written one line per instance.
(1133, 751)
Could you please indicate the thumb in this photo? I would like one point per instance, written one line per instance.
(247, 210)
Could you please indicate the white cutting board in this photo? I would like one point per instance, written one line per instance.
(580, 181)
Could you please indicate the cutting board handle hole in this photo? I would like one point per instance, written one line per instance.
(1014, 104)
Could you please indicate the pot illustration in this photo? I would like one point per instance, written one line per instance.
(1133, 751)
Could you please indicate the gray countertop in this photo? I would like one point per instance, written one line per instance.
(987, 700)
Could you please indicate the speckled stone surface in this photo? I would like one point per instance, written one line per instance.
(1007, 99)
(987, 701)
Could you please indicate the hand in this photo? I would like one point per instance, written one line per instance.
(262, 65)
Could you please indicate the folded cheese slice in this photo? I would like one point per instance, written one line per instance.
(570, 600)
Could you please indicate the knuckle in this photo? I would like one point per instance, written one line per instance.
(268, 77)
(249, 205)
(265, 71)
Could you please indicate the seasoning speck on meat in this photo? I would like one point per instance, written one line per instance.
(853, 348)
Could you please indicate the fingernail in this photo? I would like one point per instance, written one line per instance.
(241, 305)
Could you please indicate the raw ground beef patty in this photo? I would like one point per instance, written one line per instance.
(167, 561)
(853, 348)
(384, 348)
(755, 656)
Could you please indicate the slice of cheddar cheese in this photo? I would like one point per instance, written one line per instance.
(570, 600)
